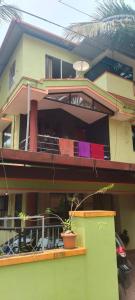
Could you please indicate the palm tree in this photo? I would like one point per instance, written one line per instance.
(8, 12)
(112, 17)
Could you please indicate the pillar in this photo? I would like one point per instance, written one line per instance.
(33, 126)
(16, 132)
(96, 232)
(11, 208)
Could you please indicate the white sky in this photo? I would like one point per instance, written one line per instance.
(54, 11)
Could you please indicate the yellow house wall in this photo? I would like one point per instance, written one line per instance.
(121, 146)
(34, 56)
(30, 62)
(127, 217)
(102, 81)
(115, 84)
(4, 79)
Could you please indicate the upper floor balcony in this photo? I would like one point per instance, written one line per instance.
(69, 147)
(116, 85)
(75, 110)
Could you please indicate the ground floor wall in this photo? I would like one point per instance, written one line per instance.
(61, 278)
(37, 203)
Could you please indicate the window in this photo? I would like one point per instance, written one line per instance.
(12, 74)
(6, 137)
(67, 70)
(112, 66)
(56, 68)
(133, 137)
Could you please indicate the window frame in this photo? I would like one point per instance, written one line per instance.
(4, 131)
(12, 72)
(49, 57)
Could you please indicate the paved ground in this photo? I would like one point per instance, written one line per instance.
(130, 295)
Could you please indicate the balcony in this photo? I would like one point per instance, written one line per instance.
(116, 85)
(69, 147)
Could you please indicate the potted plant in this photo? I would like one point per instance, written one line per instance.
(68, 235)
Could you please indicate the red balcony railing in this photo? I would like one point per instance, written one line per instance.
(73, 148)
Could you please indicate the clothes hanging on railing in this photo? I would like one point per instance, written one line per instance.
(84, 149)
(97, 151)
(66, 147)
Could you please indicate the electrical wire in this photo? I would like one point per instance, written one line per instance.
(60, 26)
(74, 8)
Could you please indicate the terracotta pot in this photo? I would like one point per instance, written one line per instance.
(69, 240)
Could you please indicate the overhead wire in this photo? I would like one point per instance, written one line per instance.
(74, 8)
(60, 26)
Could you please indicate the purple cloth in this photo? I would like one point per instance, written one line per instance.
(84, 149)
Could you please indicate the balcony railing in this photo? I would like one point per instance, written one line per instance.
(62, 146)
(15, 240)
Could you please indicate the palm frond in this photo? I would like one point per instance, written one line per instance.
(8, 12)
(77, 31)
(111, 16)
(112, 8)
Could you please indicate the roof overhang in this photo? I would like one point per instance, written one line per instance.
(18, 104)
(40, 90)
(17, 28)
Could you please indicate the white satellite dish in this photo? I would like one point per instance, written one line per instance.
(81, 66)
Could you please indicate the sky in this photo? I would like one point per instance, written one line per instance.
(54, 11)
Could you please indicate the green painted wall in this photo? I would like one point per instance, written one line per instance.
(97, 235)
(121, 145)
(44, 185)
(91, 276)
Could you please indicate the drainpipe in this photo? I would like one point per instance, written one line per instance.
(28, 119)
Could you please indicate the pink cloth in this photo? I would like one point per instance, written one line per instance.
(84, 149)
(66, 147)
(97, 151)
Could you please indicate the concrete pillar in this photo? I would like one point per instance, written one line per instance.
(95, 231)
(11, 208)
(33, 126)
(16, 131)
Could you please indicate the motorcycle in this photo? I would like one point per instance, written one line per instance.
(124, 268)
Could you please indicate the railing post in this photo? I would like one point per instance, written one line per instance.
(43, 226)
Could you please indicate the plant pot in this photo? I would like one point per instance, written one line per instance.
(69, 240)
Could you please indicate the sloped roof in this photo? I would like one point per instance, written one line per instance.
(126, 101)
(17, 28)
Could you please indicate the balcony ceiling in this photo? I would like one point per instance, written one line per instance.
(19, 103)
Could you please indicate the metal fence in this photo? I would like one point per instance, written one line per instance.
(27, 238)
(50, 144)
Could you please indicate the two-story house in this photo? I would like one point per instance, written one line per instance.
(62, 134)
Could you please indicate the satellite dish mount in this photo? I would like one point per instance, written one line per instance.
(81, 67)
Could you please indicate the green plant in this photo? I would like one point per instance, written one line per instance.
(75, 204)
